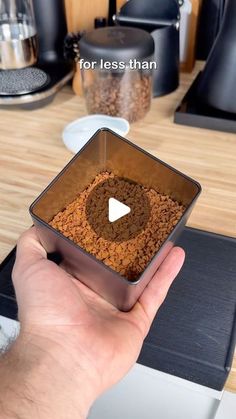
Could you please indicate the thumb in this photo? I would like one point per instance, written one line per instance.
(29, 252)
(156, 291)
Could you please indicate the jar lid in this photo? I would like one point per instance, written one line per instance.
(116, 43)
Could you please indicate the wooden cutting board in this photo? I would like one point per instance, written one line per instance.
(191, 53)
(81, 14)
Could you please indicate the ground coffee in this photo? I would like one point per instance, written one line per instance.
(130, 254)
(127, 95)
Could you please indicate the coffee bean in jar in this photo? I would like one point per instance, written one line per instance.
(116, 65)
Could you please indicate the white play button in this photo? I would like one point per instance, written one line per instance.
(116, 210)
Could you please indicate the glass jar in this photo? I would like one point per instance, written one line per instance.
(116, 69)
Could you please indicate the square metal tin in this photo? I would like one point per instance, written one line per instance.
(107, 151)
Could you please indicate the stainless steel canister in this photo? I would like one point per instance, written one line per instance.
(18, 35)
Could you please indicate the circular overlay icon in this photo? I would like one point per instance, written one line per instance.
(118, 209)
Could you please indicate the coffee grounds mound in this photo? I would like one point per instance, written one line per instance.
(127, 192)
(129, 257)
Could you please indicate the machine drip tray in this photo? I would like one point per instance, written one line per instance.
(195, 114)
(35, 92)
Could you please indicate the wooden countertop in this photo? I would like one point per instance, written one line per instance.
(32, 153)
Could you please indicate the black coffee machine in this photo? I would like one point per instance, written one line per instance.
(32, 66)
(210, 102)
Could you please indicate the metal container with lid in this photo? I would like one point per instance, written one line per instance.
(116, 71)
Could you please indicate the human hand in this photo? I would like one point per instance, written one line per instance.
(93, 342)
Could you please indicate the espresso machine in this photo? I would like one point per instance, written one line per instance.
(32, 66)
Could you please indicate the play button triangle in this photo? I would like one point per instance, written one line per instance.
(116, 210)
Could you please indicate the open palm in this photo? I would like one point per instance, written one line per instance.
(60, 309)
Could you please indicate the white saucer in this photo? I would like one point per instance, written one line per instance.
(77, 133)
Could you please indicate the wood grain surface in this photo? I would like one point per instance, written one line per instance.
(119, 4)
(32, 153)
(80, 14)
(191, 51)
